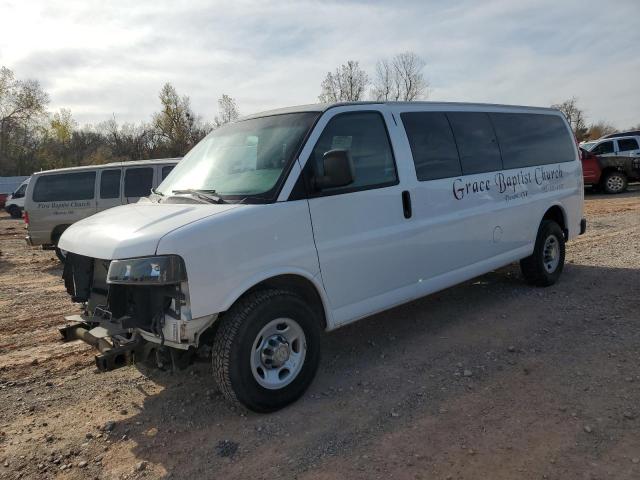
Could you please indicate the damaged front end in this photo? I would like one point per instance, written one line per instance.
(133, 310)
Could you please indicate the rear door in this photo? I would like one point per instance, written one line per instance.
(628, 147)
(138, 182)
(366, 259)
(110, 188)
(453, 199)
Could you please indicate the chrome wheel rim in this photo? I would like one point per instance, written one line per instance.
(615, 183)
(278, 353)
(551, 254)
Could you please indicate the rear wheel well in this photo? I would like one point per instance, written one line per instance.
(556, 214)
(606, 171)
(296, 284)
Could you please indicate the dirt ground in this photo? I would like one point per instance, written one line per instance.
(491, 379)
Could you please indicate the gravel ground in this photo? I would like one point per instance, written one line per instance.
(491, 379)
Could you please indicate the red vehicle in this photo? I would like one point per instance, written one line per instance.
(3, 199)
(591, 170)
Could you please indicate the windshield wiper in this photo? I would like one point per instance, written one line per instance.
(156, 192)
(203, 194)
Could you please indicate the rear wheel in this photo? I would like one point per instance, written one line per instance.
(614, 182)
(544, 266)
(266, 350)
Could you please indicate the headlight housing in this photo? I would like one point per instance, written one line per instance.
(161, 270)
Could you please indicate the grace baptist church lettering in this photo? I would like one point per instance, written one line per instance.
(503, 183)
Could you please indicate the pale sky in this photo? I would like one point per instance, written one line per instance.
(104, 58)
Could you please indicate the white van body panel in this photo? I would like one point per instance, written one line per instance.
(268, 240)
(132, 230)
(357, 249)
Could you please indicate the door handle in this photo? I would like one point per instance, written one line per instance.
(406, 204)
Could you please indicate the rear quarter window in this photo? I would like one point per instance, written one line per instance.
(64, 187)
(528, 139)
(627, 144)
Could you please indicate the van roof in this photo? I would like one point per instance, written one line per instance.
(323, 107)
(131, 163)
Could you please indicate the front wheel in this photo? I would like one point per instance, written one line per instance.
(61, 254)
(614, 182)
(544, 266)
(14, 211)
(266, 350)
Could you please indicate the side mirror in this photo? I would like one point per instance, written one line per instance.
(338, 170)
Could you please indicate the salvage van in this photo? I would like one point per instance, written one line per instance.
(287, 223)
(58, 198)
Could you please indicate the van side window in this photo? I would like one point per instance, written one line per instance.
(138, 182)
(528, 139)
(166, 170)
(64, 187)
(110, 184)
(604, 147)
(364, 136)
(627, 144)
(432, 145)
(476, 142)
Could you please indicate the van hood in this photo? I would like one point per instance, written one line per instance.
(132, 230)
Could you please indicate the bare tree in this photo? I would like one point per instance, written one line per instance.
(22, 107)
(227, 111)
(346, 84)
(400, 79)
(575, 117)
(599, 130)
(175, 123)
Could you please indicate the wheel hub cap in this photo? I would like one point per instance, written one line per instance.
(278, 353)
(551, 254)
(275, 351)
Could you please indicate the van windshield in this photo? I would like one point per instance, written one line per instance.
(243, 160)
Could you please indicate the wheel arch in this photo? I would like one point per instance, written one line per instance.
(557, 213)
(307, 286)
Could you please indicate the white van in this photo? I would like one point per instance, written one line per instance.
(294, 221)
(15, 202)
(59, 198)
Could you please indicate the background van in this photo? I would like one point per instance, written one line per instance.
(56, 199)
(14, 204)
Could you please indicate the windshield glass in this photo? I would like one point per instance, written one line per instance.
(588, 145)
(243, 159)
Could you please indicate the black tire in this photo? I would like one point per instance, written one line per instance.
(536, 267)
(61, 254)
(14, 211)
(614, 182)
(234, 341)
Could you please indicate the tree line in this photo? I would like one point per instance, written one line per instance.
(32, 138)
